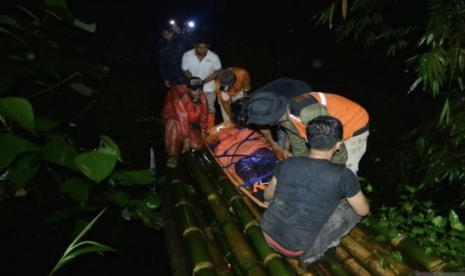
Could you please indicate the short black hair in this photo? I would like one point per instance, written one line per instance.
(324, 132)
(239, 111)
(201, 38)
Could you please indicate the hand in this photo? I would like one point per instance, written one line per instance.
(186, 145)
(287, 154)
(225, 96)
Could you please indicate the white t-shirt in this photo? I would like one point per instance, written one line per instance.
(202, 69)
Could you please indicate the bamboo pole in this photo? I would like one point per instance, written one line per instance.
(249, 217)
(365, 257)
(240, 248)
(214, 252)
(273, 261)
(192, 234)
(365, 239)
(409, 247)
(350, 263)
(172, 234)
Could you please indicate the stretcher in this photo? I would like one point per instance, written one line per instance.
(254, 190)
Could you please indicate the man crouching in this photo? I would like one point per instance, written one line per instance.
(316, 202)
(184, 119)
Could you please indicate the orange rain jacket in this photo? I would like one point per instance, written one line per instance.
(183, 118)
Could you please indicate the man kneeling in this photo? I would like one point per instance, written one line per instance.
(314, 202)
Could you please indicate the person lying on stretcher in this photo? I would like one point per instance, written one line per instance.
(243, 151)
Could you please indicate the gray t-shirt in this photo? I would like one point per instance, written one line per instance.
(307, 193)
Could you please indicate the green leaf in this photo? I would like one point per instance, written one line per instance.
(45, 124)
(394, 233)
(60, 152)
(138, 177)
(417, 231)
(18, 110)
(76, 249)
(11, 146)
(59, 8)
(108, 142)
(408, 206)
(455, 221)
(76, 188)
(152, 201)
(97, 164)
(444, 117)
(384, 263)
(439, 221)
(23, 170)
(397, 255)
(380, 238)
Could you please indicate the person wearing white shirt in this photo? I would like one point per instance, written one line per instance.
(202, 63)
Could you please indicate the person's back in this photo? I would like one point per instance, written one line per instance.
(308, 192)
(314, 202)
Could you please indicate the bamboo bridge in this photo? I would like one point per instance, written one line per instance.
(211, 228)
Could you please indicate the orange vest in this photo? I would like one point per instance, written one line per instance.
(242, 83)
(352, 116)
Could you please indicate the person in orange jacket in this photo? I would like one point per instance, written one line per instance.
(184, 115)
(230, 85)
(294, 114)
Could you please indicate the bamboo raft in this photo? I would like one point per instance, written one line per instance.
(211, 228)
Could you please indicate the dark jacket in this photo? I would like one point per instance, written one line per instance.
(170, 55)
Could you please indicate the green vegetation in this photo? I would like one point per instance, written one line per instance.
(429, 161)
(47, 86)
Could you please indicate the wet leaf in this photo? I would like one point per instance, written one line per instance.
(12, 146)
(397, 255)
(108, 142)
(439, 221)
(138, 177)
(23, 170)
(152, 201)
(455, 221)
(76, 188)
(394, 233)
(97, 164)
(60, 152)
(18, 110)
(380, 238)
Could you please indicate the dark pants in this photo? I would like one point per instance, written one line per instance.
(339, 224)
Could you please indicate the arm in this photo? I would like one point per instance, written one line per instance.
(359, 203)
(216, 67)
(279, 152)
(188, 74)
(212, 76)
(184, 65)
(269, 191)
